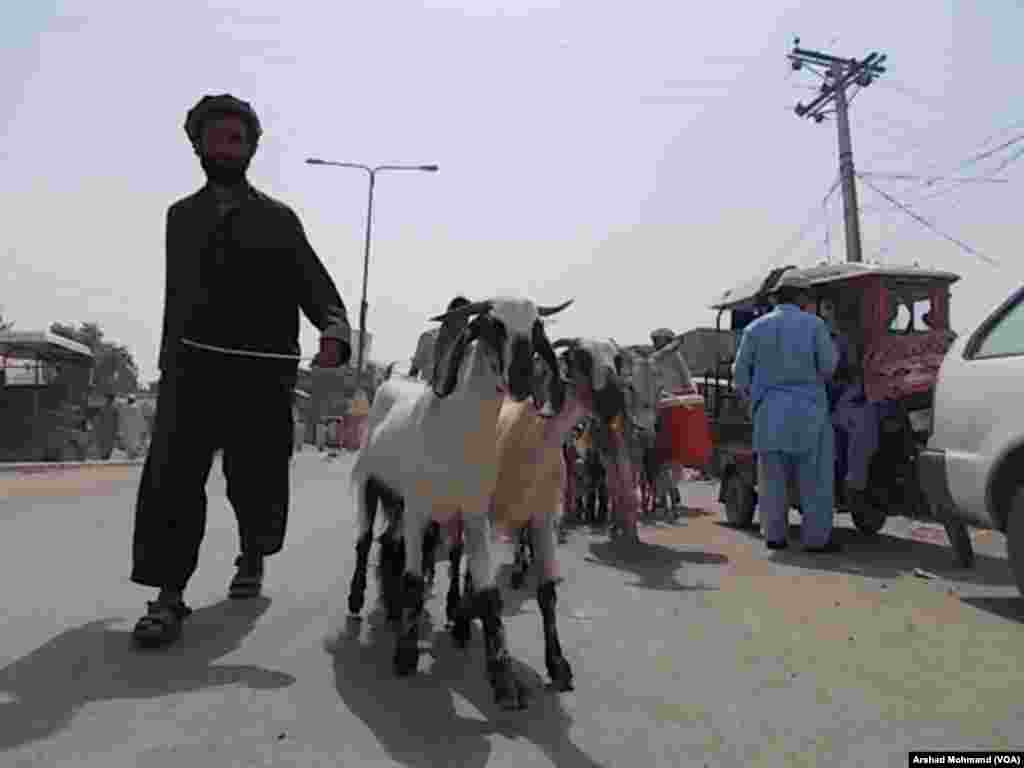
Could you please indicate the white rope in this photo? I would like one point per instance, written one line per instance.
(242, 352)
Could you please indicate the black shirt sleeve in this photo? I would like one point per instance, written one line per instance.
(317, 292)
(172, 324)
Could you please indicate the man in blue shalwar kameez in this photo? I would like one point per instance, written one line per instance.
(784, 360)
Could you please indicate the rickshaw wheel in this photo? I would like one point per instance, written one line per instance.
(739, 501)
(868, 516)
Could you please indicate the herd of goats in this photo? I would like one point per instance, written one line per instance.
(472, 452)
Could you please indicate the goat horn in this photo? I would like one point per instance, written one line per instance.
(476, 308)
(548, 311)
(565, 343)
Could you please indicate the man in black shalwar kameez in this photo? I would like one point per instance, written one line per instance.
(239, 270)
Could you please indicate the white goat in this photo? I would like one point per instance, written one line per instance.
(435, 451)
(528, 493)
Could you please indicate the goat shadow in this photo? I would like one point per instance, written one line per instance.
(95, 662)
(415, 718)
(654, 564)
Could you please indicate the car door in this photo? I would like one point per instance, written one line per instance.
(977, 405)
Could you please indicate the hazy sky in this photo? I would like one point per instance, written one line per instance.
(639, 157)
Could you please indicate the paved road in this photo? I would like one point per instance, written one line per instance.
(699, 648)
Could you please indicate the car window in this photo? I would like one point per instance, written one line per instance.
(1006, 337)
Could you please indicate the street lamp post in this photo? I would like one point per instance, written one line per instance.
(372, 172)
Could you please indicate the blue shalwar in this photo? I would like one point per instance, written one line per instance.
(784, 361)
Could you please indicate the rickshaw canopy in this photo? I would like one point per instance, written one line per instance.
(754, 291)
(43, 345)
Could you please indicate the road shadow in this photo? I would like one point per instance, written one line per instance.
(654, 564)
(545, 724)
(415, 719)
(886, 556)
(95, 662)
(1010, 608)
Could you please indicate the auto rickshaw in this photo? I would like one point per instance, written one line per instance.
(44, 387)
(897, 322)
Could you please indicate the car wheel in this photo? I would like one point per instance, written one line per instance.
(739, 501)
(1015, 539)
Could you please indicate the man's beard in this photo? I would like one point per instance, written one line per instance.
(224, 173)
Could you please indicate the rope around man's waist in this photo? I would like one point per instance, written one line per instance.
(243, 352)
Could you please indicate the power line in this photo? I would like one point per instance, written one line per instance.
(988, 153)
(976, 158)
(1011, 159)
(806, 229)
(1002, 131)
(930, 180)
(924, 222)
(915, 95)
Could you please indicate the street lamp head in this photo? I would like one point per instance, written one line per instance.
(315, 161)
(430, 168)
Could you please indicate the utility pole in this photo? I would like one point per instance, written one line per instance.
(837, 76)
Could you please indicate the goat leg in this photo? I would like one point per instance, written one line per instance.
(454, 597)
(407, 651)
(431, 539)
(510, 692)
(557, 666)
(462, 626)
(542, 539)
(522, 563)
(357, 590)
(392, 567)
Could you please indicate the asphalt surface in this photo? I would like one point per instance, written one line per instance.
(698, 647)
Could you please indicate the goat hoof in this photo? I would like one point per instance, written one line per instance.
(461, 631)
(407, 658)
(355, 604)
(560, 673)
(510, 692)
(451, 609)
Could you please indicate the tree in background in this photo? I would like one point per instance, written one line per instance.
(5, 325)
(115, 369)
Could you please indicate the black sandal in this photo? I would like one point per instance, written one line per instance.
(161, 625)
(248, 580)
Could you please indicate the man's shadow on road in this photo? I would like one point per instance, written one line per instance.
(415, 719)
(654, 564)
(95, 662)
(887, 557)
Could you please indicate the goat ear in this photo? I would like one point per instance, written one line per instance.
(455, 357)
(543, 347)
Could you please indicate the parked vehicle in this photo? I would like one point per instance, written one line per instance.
(973, 467)
(897, 322)
(45, 381)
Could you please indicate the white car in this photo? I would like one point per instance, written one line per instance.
(973, 467)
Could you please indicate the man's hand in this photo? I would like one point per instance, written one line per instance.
(336, 316)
